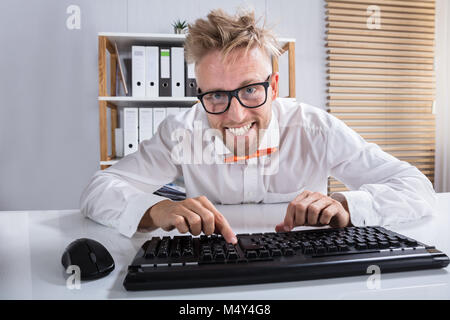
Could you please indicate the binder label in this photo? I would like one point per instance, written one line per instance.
(165, 63)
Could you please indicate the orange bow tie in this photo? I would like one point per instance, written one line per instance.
(258, 153)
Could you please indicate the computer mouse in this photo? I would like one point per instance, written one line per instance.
(90, 256)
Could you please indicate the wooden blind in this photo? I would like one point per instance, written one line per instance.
(381, 82)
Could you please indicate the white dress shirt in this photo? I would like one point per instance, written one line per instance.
(311, 145)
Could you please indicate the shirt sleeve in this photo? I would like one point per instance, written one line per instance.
(119, 196)
(384, 190)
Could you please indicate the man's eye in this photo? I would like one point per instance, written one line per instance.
(215, 97)
(250, 90)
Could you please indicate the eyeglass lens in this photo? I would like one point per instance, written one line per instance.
(250, 96)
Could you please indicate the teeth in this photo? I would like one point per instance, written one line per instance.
(240, 131)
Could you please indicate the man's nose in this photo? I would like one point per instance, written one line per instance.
(236, 112)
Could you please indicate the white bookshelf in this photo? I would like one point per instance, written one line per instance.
(110, 100)
(122, 101)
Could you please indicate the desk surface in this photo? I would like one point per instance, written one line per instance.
(32, 242)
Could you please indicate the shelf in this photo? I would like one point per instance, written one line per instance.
(109, 162)
(145, 101)
(126, 40)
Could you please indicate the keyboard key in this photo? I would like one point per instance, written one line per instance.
(350, 243)
(320, 249)
(308, 250)
(251, 254)
(275, 252)
(394, 244)
(232, 255)
(264, 254)
(162, 254)
(152, 247)
(247, 244)
(361, 246)
(332, 248)
(220, 255)
(383, 244)
(372, 245)
(206, 256)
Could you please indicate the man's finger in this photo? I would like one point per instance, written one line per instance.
(302, 196)
(315, 208)
(181, 224)
(288, 222)
(206, 215)
(279, 227)
(221, 224)
(291, 214)
(301, 206)
(341, 218)
(193, 219)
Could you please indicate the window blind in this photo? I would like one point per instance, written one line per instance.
(381, 81)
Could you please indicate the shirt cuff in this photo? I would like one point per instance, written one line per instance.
(135, 210)
(360, 206)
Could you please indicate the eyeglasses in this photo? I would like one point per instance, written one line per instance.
(250, 96)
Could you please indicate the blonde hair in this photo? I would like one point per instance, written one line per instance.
(221, 31)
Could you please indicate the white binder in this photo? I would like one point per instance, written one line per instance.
(145, 124)
(130, 130)
(152, 71)
(191, 83)
(138, 71)
(177, 60)
(118, 132)
(159, 114)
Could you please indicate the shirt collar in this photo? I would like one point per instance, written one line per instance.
(271, 138)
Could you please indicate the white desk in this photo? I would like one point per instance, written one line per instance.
(32, 242)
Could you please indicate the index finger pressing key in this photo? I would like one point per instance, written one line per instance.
(221, 223)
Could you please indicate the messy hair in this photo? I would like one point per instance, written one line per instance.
(224, 32)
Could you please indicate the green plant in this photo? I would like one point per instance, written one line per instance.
(178, 24)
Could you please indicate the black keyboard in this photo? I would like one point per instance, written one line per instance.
(188, 262)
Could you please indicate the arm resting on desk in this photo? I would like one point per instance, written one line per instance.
(386, 190)
(119, 196)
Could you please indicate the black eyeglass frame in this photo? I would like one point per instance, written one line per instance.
(234, 93)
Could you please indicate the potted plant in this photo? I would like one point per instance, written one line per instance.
(179, 27)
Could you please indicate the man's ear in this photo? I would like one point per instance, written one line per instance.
(274, 85)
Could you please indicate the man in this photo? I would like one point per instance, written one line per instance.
(264, 150)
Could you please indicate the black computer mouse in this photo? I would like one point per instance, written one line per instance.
(90, 256)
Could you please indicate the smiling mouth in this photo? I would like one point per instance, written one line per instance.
(241, 130)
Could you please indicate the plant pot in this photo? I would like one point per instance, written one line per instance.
(179, 30)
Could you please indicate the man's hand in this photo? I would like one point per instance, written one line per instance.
(192, 215)
(314, 209)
